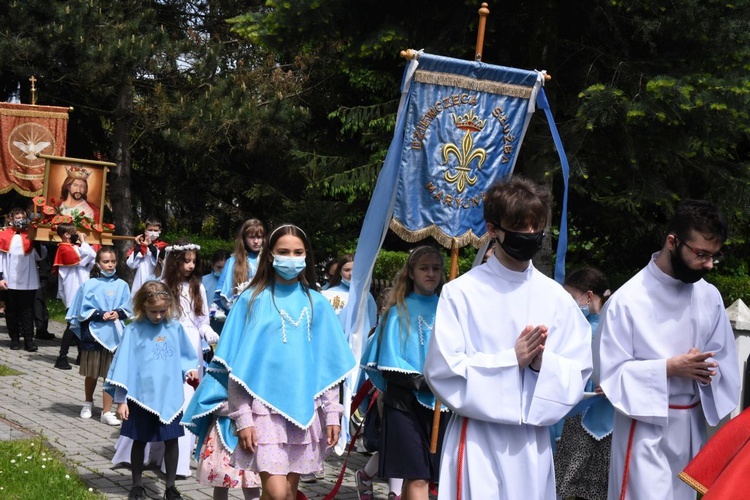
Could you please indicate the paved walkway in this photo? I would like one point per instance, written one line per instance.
(46, 401)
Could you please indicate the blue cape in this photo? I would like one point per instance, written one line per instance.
(392, 349)
(224, 285)
(599, 414)
(209, 397)
(151, 365)
(288, 375)
(103, 295)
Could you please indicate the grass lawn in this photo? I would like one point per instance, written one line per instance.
(56, 310)
(30, 471)
(6, 370)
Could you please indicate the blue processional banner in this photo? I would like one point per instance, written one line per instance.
(463, 127)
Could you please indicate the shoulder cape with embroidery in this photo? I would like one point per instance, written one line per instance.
(284, 350)
(151, 364)
(392, 348)
(103, 295)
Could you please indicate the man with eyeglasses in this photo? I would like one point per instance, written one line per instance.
(667, 359)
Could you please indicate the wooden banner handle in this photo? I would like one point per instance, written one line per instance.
(484, 11)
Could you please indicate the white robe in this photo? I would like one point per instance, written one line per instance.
(70, 278)
(651, 318)
(144, 265)
(20, 271)
(472, 368)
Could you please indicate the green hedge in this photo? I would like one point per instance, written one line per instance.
(731, 287)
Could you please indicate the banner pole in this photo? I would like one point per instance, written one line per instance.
(484, 11)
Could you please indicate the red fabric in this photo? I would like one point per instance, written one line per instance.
(6, 235)
(24, 131)
(160, 245)
(721, 466)
(66, 255)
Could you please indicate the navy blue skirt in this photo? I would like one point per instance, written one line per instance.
(142, 425)
(405, 443)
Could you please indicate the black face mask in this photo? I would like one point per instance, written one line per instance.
(74, 238)
(521, 246)
(681, 270)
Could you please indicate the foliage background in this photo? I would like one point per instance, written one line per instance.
(216, 110)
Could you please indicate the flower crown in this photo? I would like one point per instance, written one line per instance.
(182, 248)
(157, 293)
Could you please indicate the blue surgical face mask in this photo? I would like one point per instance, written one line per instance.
(289, 267)
(585, 307)
(107, 274)
(345, 282)
(217, 273)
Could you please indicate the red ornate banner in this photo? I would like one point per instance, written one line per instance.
(26, 130)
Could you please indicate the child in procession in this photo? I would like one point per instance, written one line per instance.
(100, 306)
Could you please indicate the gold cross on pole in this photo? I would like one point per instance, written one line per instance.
(33, 90)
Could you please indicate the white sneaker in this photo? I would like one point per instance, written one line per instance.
(86, 410)
(109, 418)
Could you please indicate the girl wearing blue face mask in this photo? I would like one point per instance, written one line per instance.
(100, 306)
(278, 366)
(582, 458)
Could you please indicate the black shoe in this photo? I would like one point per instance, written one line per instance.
(44, 336)
(62, 363)
(29, 345)
(172, 494)
(137, 493)
(78, 359)
(15, 345)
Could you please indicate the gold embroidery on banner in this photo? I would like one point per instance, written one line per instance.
(33, 114)
(27, 177)
(468, 83)
(443, 103)
(463, 176)
(468, 238)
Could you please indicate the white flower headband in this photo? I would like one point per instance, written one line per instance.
(190, 247)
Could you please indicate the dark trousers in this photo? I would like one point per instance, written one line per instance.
(19, 313)
(68, 339)
(41, 314)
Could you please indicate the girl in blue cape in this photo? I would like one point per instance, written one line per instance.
(241, 265)
(582, 457)
(146, 377)
(99, 307)
(278, 364)
(394, 361)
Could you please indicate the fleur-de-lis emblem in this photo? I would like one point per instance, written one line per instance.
(463, 175)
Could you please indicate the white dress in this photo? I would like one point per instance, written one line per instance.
(472, 368)
(651, 318)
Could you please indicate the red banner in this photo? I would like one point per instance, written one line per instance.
(26, 130)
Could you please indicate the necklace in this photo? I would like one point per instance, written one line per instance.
(423, 328)
(296, 324)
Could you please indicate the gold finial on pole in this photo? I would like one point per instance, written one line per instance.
(33, 90)
(484, 11)
(408, 54)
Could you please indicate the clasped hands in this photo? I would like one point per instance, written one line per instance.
(693, 365)
(530, 347)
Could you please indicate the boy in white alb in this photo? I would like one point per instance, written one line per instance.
(667, 359)
(73, 261)
(145, 253)
(510, 355)
(20, 277)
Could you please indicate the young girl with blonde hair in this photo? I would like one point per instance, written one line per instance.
(394, 362)
(146, 376)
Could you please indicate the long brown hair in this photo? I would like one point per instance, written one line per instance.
(250, 227)
(336, 276)
(266, 276)
(173, 276)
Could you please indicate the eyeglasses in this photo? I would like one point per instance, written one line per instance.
(703, 256)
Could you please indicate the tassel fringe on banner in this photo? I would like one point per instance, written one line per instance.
(468, 238)
(465, 82)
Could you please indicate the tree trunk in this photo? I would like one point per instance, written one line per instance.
(119, 185)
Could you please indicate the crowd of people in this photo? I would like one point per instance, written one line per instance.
(528, 388)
